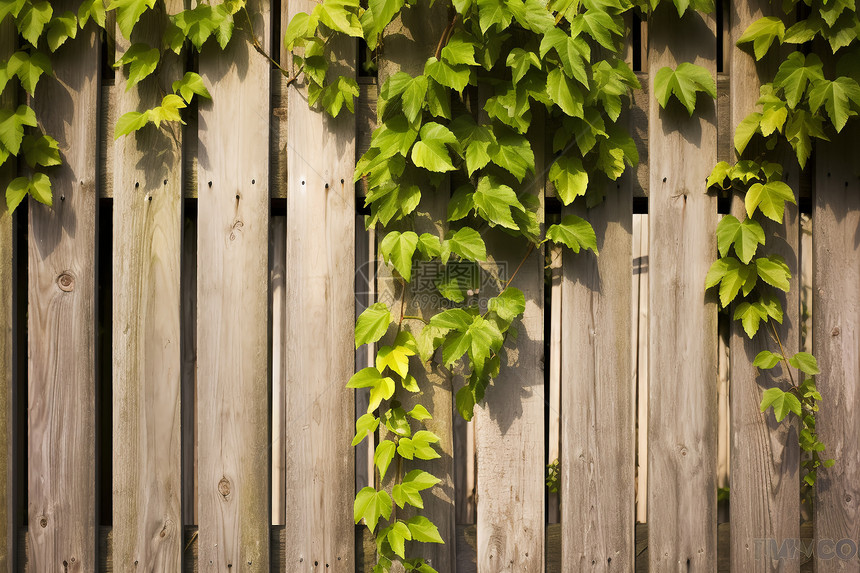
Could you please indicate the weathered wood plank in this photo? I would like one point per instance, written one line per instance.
(320, 321)
(61, 320)
(683, 320)
(147, 476)
(7, 469)
(553, 505)
(278, 303)
(765, 459)
(232, 302)
(639, 351)
(598, 434)
(836, 339)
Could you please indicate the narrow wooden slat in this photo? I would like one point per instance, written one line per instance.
(147, 190)
(683, 320)
(61, 320)
(555, 353)
(320, 324)
(232, 302)
(640, 359)
(278, 302)
(765, 497)
(836, 339)
(598, 433)
(7, 471)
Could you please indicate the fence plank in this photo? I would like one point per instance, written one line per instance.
(232, 303)
(598, 435)
(682, 374)
(61, 321)
(278, 302)
(640, 358)
(147, 191)
(836, 340)
(320, 322)
(7, 469)
(765, 495)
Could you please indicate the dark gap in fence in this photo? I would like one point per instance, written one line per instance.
(636, 40)
(805, 205)
(551, 206)
(724, 205)
(278, 207)
(108, 51)
(188, 359)
(640, 205)
(276, 37)
(722, 19)
(360, 207)
(104, 362)
(19, 378)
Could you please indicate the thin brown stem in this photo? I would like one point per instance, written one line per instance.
(782, 353)
(446, 35)
(262, 51)
(513, 276)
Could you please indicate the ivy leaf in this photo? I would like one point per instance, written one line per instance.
(762, 33)
(455, 77)
(745, 236)
(383, 455)
(372, 324)
(29, 68)
(493, 13)
(721, 171)
(494, 202)
(423, 530)
(12, 126)
(805, 362)
(774, 271)
(378, 15)
(769, 198)
(781, 402)
(339, 15)
(766, 359)
(460, 49)
(419, 413)
(615, 152)
(397, 357)
(750, 316)
(521, 61)
(684, 82)
(795, 73)
(419, 446)
(468, 244)
(94, 9)
(800, 128)
(13, 7)
(464, 400)
(300, 27)
(509, 304)
(128, 122)
(15, 192)
(32, 18)
(569, 177)
(430, 152)
(397, 248)
(41, 150)
(575, 232)
(564, 93)
(836, 96)
(381, 387)
(732, 276)
(191, 84)
(366, 424)
(167, 111)
(141, 60)
(408, 490)
(479, 142)
(60, 29)
(599, 25)
(397, 537)
(370, 505)
(128, 13)
(746, 129)
(513, 153)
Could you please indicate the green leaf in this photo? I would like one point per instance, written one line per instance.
(769, 198)
(454, 76)
(419, 413)
(464, 400)
(12, 126)
(750, 316)
(382, 387)
(800, 128)
(141, 60)
(40, 189)
(397, 536)
(430, 152)
(128, 122)
(370, 505)
(837, 97)
(766, 359)
(745, 131)
(460, 49)
(514, 153)
(167, 111)
(509, 304)
(378, 15)
(493, 13)
(774, 271)
(29, 68)
(94, 9)
(762, 33)
(732, 276)
(721, 171)
(15, 192)
(397, 249)
(372, 324)
(41, 150)
(397, 357)
(60, 29)
(32, 18)
(599, 25)
(419, 446)
(745, 236)
(575, 232)
(383, 455)
(569, 177)
(795, 73)
(191, 84)
(413, 482)
(423, 530)
(494, 202)
(366, 424)
(429, 245)
(805, 362)
(564, 92)
(468, 244)
(684, 82)
(300, 27)
(521, 61)
(781, 402)
(128, 13)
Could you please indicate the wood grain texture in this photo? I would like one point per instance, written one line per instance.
(556, 319)
(598, 431)
(61, 320)
(765, 456)
(278, 302)
(7, 469)
(639, 353)
(232, 303)
(147, 191)
(682, 427)
(836, 340)
(319, 343)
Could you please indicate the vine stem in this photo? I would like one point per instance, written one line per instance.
(513, 276)
(264, 53)
(782, 353)
(446, 35)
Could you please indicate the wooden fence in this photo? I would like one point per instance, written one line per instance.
(177, 331)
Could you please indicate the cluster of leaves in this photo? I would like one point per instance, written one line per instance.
(800, 104)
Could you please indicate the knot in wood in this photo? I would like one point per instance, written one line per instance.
(43, 522)
(224, 487)
(66, 282)
(835, 331)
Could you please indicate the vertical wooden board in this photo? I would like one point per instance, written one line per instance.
(598, 433)
(61, 320)
(682, 427)
(555, 354)
(147, 191)
(320, 324)
(765, 459)
(232, 303)
(640, 364)
(7, 471)
(278, 293)
(836, 339)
